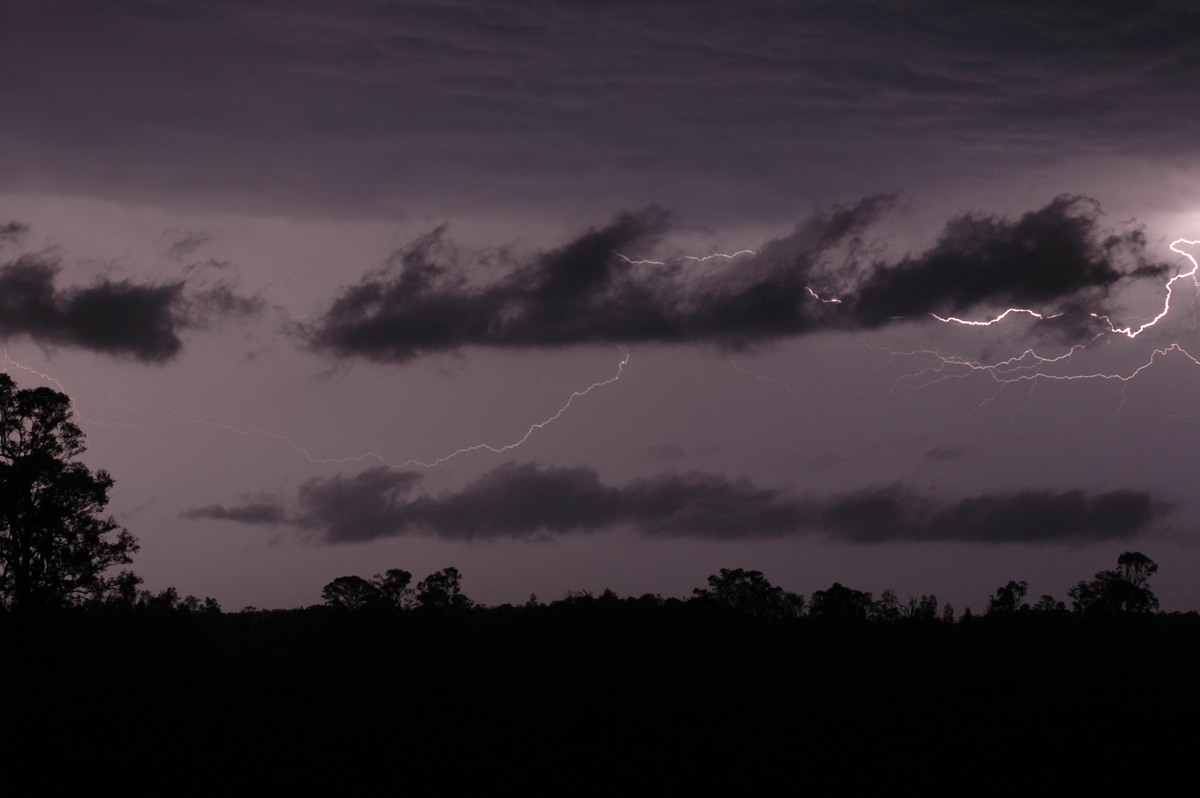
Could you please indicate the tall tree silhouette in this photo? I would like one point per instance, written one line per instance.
(54, 544)
(441, 590)
(1125, 589)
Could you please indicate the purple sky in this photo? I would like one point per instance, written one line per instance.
(288, 259)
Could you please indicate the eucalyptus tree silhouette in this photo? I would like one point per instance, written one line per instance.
(441, 590)
(55, 546)
(841, 603)
(394, 588)
(1125, 589)
(749, 593)
(1009, 599)
(351, 593)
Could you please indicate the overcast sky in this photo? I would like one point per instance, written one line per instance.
(576, 296)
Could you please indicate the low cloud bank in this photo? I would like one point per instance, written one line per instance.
(527, 500)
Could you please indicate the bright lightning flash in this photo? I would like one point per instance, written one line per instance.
(1029, 365)
(1128, 332)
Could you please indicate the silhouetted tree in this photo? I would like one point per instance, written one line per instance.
(841, 603)
(393, 587)
(1048, 603)
(1136, 568)
(122, 591)
(351, 593)
(1009, 598)
(924, 608)
(749, 593)
(1125, 589)
(441, 590)
(54, 545)
(888, 608)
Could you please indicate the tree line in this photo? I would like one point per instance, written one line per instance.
(58, 550)
(1122, 590)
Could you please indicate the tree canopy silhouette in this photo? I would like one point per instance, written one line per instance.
(351, 593)
(55, 545)
(1123, 590)
(749, 593)
(442, 591)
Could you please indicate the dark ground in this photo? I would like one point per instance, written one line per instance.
(597, 696)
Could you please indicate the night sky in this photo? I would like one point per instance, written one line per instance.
(575, 296)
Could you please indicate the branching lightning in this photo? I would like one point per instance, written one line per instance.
(1129, 332)
(1029, 365)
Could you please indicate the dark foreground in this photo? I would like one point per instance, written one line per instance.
(597, 695)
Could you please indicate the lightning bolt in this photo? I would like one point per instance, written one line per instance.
(305, 451)
(478, 447)
(820, 298)
(1029, 365)
(8, 363)
(1129, 332)
(700, 259)
(990, 322)
(1025, 367)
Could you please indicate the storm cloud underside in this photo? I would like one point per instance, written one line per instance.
(114, 318)
(529, 500)
(1057, 259)
(120, 318)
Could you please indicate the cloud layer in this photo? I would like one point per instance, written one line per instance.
(344, 109)
(527, 500)
(595, 290)
(113, 317)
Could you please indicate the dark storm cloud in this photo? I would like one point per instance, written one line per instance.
(1056, 259)
(360, 508)
(113, 317)
(1046, 256)
(1022, 517)
(481, 104)
(12, 232)
(527, 500)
